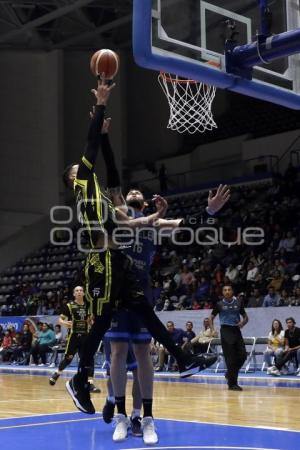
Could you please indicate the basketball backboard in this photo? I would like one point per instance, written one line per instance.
(188, 37)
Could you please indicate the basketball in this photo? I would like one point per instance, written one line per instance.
(105, 61)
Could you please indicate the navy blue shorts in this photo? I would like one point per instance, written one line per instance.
(131, 363)
(126, 325)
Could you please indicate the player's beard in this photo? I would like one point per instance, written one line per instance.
(136, 204)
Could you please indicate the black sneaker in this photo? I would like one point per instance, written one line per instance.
(136, 426)
(195, 364)
(53, 379)
(108, 411)
(80, 394)
(235, 387)
(94, 389)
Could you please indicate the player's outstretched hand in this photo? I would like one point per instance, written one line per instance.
(161, 205)
(216, 202)
(103, 91)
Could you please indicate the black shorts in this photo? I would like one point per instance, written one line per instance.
(73, 345)
(109, 280)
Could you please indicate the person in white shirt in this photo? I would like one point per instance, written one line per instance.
(276, 343)
(251, 272)
(232, 273)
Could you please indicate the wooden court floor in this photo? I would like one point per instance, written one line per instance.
(25, 395)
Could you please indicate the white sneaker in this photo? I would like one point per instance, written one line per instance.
(122, 425)
(52, 365)
(275, 372)
(149, 434)
(270, 369)
(42, 365)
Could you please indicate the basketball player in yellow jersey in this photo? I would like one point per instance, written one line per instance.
(75, 317)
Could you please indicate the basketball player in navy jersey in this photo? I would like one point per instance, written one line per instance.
(108, 270)
(126, 326)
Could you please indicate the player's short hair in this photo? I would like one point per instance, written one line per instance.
(227, 285)
(66, 173)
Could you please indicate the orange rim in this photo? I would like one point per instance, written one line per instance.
(170, 79)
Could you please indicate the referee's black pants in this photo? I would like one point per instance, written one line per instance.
(234, 351)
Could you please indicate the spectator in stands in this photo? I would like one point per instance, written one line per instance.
(252, 272)
(6, 347)
(271, 299)
(232, 273)
(12, 331)
(201, 342)
(43, 345)
(275, 344)
(255, 299)
(21, 352)
(1, 334)
(186, 276)
(177, 335)
(287, 243)
(195, 305)
(168, 305)
(57, 346)
(295, 299)
(291, 350)
(276, 281)
(58, 334)
(202, 290)
(189, 334)
(285, 298)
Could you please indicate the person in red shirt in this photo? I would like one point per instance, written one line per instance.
(6, 348)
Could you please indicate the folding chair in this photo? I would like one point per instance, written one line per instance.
(257, 352)
(250, 341)
(215, 347)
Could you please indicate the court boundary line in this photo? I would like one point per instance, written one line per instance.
(98, 416)
(233, 425)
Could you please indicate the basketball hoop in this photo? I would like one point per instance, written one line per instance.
(190, 103)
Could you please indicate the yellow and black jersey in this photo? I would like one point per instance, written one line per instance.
(79, 315)
(96, 211)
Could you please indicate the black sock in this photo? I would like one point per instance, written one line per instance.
(120, 403)
(147, 405)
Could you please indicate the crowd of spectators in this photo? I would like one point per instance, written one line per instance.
(25, 347)
(189, 276)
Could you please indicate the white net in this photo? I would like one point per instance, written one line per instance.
(190, 104)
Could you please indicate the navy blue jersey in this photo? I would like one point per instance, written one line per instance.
(142, 251)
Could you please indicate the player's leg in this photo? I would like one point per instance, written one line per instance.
(141, 347)
(188, 364)
(118, 336)
(109, 407)
(71, 350)
(101, 292)
(93, 389)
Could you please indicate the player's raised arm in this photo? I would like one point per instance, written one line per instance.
(101, 94)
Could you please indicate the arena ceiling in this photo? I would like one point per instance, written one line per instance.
(65, 24)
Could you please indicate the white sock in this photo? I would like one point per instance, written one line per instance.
(135, 413)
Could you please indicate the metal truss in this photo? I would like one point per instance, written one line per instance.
(67, 24)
